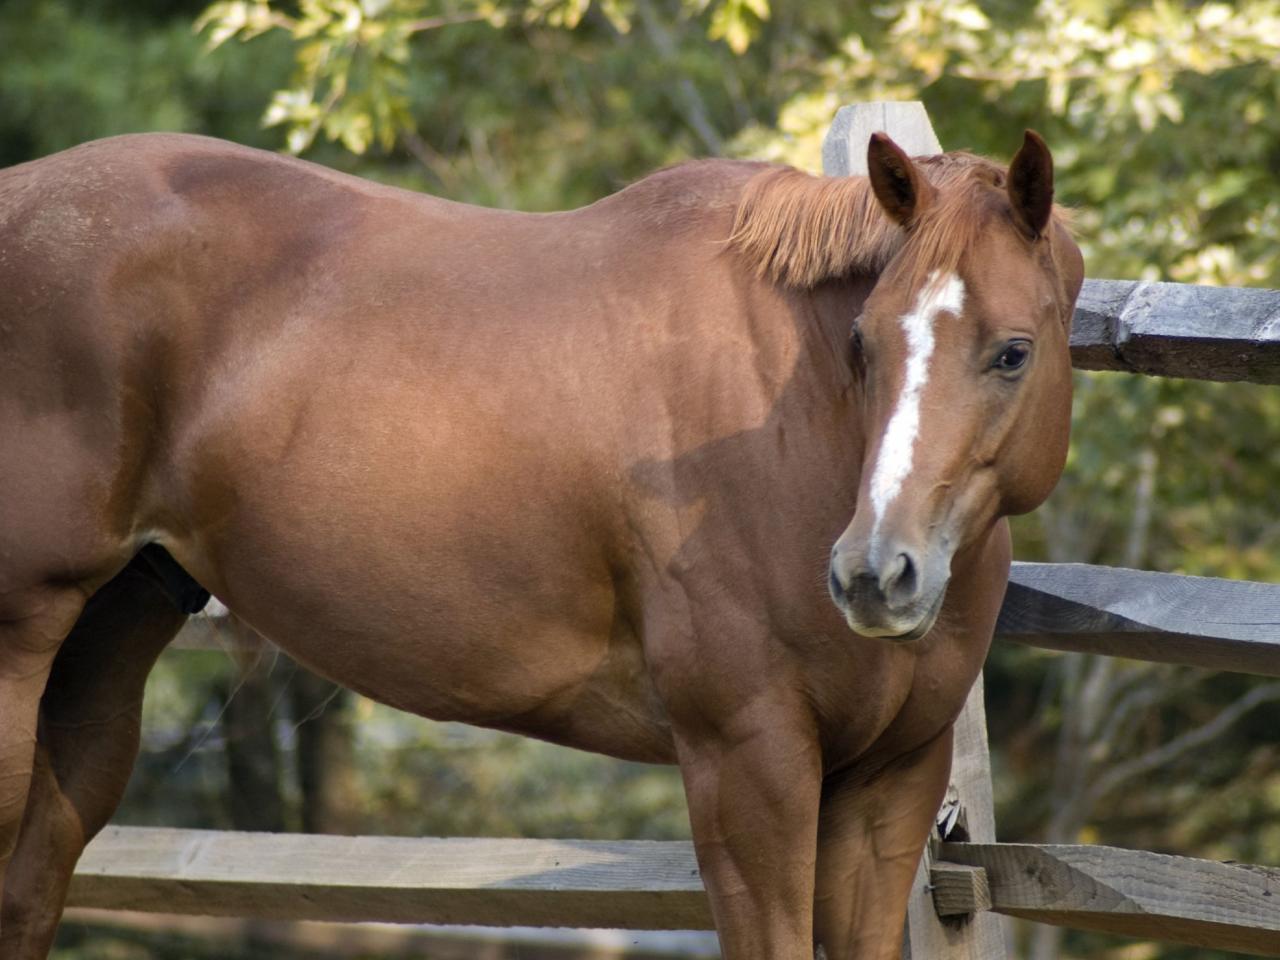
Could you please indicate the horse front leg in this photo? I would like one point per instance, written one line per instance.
(753, 787)
(870, 838)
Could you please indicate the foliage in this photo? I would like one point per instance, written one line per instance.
(69, 74)
(425, 779)
(1165, 186)
(412, 777)
(351, 80)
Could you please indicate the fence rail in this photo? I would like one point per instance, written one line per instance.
(1178, 330)
(1164, 617)
(1130, 892)
(642, 885)
(627, 884)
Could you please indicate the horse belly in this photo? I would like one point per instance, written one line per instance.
(429, 561)
(547, 657)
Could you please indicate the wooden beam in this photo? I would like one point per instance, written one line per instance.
(844, 152)
(959, 891)
(1163, 617)
(639, 885)
(1178, 330)
(632, 884)
(968, 811)
(1132, 892)
(844, 148)
(642, 885)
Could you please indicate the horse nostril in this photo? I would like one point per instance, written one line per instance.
(834, 584)
(901, 581)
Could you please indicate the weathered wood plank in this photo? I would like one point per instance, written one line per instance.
(844, 152)
(636, 884)
(630, 884)
(1178, 330)
(1132, 892)
(969, 812)
(959, 890)
(844, 148)
(1199, 621)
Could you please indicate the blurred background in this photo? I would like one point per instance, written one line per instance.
(1162, 119)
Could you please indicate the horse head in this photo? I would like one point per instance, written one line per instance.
(961, 356)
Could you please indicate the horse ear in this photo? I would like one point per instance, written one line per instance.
(1031, 185)
(902, 190)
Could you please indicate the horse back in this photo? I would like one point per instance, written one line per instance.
(139, 270)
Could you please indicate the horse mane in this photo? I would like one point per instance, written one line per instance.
(798, 230)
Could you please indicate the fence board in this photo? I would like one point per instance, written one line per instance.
(630, 885)
(844, 152)
(982, 935)
(844, 148)
(1132, 892)
(633, 884)
(1164, 617)
(1178, 330)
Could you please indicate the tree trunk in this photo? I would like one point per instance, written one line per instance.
(254, 793)
(325, 755)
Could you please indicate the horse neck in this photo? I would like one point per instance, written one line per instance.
(831, 309)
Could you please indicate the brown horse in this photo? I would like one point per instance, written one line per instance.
(573, 475)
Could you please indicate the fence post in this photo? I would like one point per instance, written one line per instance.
(926, 937)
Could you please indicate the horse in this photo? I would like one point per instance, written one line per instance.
(712, 472)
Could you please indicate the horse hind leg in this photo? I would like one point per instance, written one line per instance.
(33, 623)
(87, 741)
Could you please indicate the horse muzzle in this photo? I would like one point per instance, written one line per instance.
(892, 594)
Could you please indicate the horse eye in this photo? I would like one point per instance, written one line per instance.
(1013, 356)
(856, 350)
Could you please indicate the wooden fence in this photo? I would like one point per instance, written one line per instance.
(1151, 328)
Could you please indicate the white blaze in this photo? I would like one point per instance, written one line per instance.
(897, 448)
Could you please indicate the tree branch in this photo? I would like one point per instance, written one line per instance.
(1157, 688)
(1198, 737)
(433, 23)
(689, 101)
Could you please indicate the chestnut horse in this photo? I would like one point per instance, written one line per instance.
(574, 475)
